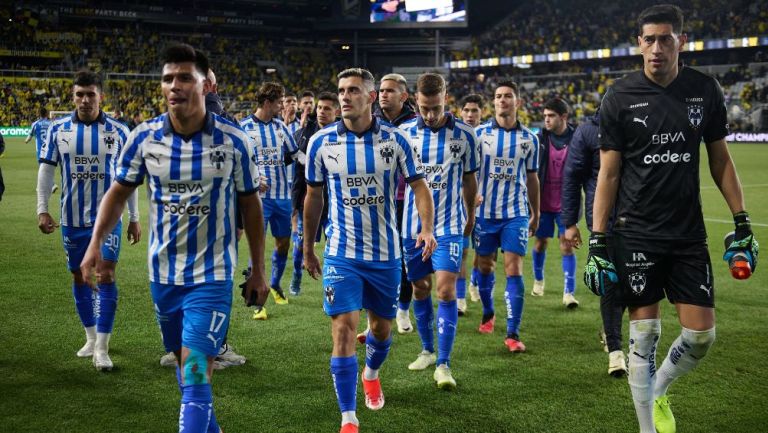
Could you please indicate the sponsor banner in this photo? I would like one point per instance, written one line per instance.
(14, 131)
(159, 17)
(30, 53)
(747, 137)
(56, 36)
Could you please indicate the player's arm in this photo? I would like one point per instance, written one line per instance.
(469, 185)
(134, 228)
(532, 183)
(313, 209)
(253, 222)
(607, 186)
(577, 165)
(31, 133)
(45, 172)
(425, 206)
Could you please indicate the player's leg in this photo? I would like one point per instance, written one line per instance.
(569, 266)
(488, 237)
(403, 318)
(75, 243)
(474, 292)
(514, 242)
(545, 231)
(298, 253)
(611, 312)
(106, 299)
(447, 320)
(461, 281)
(644, 334)
(420, 277)
(281, 230)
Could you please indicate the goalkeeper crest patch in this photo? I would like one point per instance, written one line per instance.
(637, 282)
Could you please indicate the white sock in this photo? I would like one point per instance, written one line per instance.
(349, 417)
(370, 374)
(90, 333)
(643, 339)
(684, 355)
(102, 342)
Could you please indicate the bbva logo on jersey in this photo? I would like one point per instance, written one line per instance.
(695, 115)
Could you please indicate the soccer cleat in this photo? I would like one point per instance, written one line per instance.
(278, 295)
(569, 301)
(663, 418)
(349, 428)
(168, 360)
(444, 378)
(538, 288)
(228, 358)
(260, 313)
(403, 320)
(424, 360)
(362, 336)
(514, 346)
(295, 288)
(461, 305)
(603, 340)
(87, 350)
(487, 327)
(374, 398)
(101, 361)
(617, 365)
(474, 292)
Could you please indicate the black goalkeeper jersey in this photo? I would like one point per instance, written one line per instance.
(658, 132)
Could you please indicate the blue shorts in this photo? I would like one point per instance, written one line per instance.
(194, 316)
(300, 230)
(446, 257)
(467, 240)
(547, 225)
(277, 214)
(511, 234)
(76, 240)
(349, 285)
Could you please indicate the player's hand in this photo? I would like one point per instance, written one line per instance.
(305, 115)
(533, 224)
(134, 232)
(573, 236)
(744, 241)
(478, 200)
(429, 243)
(255, 290)
(470, 225)
(599, 272)
(89, 263)
(46, 224)
(263, 184)
(311, 263)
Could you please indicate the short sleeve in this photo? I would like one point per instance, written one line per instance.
(471, 157)
(408, 163)
(131, 169)
(49, 151)
(314, 170)
(611, 136)
(245, 171)
(289, 142)
(532, 161)
(717, 125)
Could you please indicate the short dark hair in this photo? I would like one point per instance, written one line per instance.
(183, 53)
(85, 77)
(307, 92)
(557, 105)
(661, 14)
(430, 84)
(328, 96)
(507, 83)
(472, 98)
(269, 91)
(289, 94)
(364, 74)
(43, 112)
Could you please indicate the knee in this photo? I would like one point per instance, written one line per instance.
(698, 342)
(282, 245)
(421, 289)
(106, 274)
(485, 265)
(195, 367)
(77, 277)
(540, 245)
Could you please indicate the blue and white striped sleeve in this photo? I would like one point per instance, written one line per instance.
(131, 169)
(408, 161)
(245, 172)
(472, 154)
(288, 141)
(314, 169)
(49, 152)
(532, 161)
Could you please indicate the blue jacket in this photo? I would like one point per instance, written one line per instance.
(581, 167)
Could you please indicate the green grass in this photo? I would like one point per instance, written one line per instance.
(559, 385)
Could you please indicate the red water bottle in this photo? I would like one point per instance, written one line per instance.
(739, 263)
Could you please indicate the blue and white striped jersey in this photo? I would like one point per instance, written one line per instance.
(361, 172)
(191, 187)
(446, 155)
(39, 130)
(506, 158)
(290, 171)
(88, 156)
(272, 143)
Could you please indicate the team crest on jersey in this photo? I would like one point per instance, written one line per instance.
(525, 145)
(637, 282)
(695, 115)
(387, 152)
(217, 157)
(109, 141)
(330, 294)
(454, 146)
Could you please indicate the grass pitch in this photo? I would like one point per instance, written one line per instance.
(559, 385)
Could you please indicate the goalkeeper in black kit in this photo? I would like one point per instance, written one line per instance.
(651, 124)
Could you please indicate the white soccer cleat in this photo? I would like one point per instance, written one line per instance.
(538, 288)
(403, 320)
(444, 378)
(461, 305)
(101, 361)
(617, 365)
(168, 360)
(87, 350)
(424, 360)
(474, 292)
(228, 358)
(569, 301)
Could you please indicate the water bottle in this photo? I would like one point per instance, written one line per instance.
(739, 263)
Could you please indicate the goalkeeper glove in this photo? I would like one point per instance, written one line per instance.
(599, 273)
(743, 242)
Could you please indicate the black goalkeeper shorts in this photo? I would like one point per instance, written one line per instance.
(650, 270)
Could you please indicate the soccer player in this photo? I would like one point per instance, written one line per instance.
(651, 125)
(472, 109)
(273, 147)
(581, 168)
(448, 151)
(39, 129)
(87, 144)
(395, 109)
(306, 105)
(194, 162)
(553, 149)
(360, 158)
(509, 213)
(327, 108)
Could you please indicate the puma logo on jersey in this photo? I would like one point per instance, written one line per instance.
(639, 120)
(334, 158)
(155, 157)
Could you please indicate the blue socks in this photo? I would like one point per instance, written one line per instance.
(447, 317)
(485, 287)
(569, 273)
(513, 296)
(344, 374)
(278, 267)
(422, 310)
(196, 410)
(538, 264)
(461, 288)
(298, 253)
(376, 351)
(84, 304)
(404, 305)
(474, 276)
(213, 425)
(106, 305)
